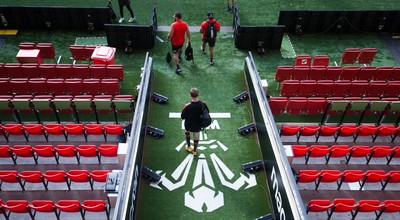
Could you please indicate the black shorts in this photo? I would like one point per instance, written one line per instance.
(210, 41)
(175, 49)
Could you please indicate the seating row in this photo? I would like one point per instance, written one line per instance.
(59, 129)
(339, 151)
(342, 205)
(64, 150)
(318, 105)
(348, 176)
(60, 87)
(364, 56)
(48, 206)
(341, 131)
(81, 52)
(54, 176)
(47, 50)
(340, 88)
(63, 71)
(70, 97)
(337, 73)
(307, 60)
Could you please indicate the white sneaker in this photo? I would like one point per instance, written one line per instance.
(121, 20)
(132, 19)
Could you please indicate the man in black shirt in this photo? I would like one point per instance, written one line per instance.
(191, 114)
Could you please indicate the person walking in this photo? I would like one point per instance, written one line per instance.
(126, 3)
(229, 7)
(177, 35)
(209, 30)
(191, 114)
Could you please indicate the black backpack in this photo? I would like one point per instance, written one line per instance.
(189, 53)
(168, 57)
(205, 118)
(211, 32)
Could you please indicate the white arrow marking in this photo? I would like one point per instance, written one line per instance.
(176, 174)
(213, 115)
(202, 170)
(218, 164)
(222, 146)
(204, 195)
(181, 145)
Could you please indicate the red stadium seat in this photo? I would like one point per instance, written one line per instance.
(393, 177)
(112, 129)
(349, 73)
(70, 206)
(318, 205)
(395, 154)
(395, 75)
(91, 86)
(78, 52)
(289, 130)
(324, 88)
(350, 176)
(65, 71)
(27, 45)
(46, 50)
(278, 105)
(358, 152)
(328, 176)
(376, 88)
(289, 88)
(392, 89)
(48, 71)
(89, 51)
(337, 151)
(372, 206)
(350, 55)
(98, 71)
(303, 60)
(34, 129)
(346, 131)
(87, 151)
(300, 73)
(10, 176)
(115, 71)
(55, 129)
(321, 60)
(42, 150)
(110, 86)
(79, 176)
(81, 71)
(317, 151)
(30, 70)
(379, 152)
(6, 88)
(96, 206)
(20, 87)
(283, 73)
(341, 88)
(383, 73)
(358, 88)
(24, 151)
(17, 206)
(367, 55)
(45, 206)
(366, 130)
(296, 105)
(308, 131)
(315, 106)
(32, 177)
(65, 151)
(307, 176)
(75, 129)
(317, 73)
(333, 72)
(327, 131)
(373, 176)
(307, 88)
(99, 175)
(74, 86)
(389, 206)
(367, 73)
(342, 205)
(56, 87)
(300, 150)
(55, 176)
(38, 87)
(5, 152)
(95, 129)
(13, 70)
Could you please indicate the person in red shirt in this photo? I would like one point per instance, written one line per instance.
(209, 38)
(177, 35)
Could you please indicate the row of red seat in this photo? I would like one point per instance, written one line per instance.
(63, 71)
(318, 105)
(54, 176)
(348, 176)
(325, 88)
(341, 131)
(60, 87)
(59, 129)
(342, 205)
(364, 56)
(48, 206)
(69, 97)
(339, 151)
(307, 60)
(337, 73)
(64, 150)
(81, 52)
(47, 50)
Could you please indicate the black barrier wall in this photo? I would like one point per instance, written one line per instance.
(284, 194)
(126, 205)
(340, 21)
(53, 17)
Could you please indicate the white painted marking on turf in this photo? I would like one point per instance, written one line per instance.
(213, 115)
(219, 164)
(159, 38)
(179, 170)
(204, 196)
(222, 146)
(202, 170)
(179, 147)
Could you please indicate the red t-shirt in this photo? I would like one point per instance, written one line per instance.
(178, 37)
(204, 26)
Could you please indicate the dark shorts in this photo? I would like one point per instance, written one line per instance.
(211, 41)
(175, 49)
(193, 129)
